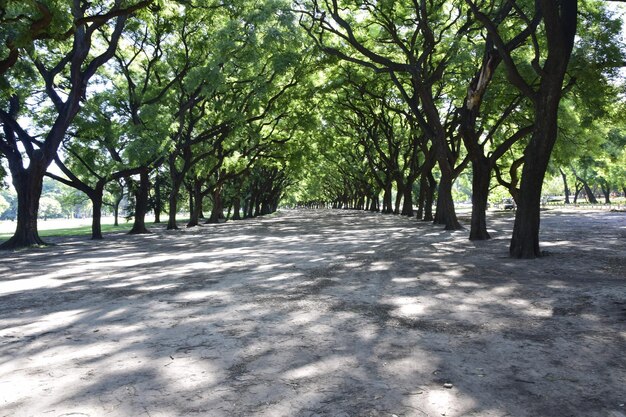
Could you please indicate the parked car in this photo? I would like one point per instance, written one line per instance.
(508, 204)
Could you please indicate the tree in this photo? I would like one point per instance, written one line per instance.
(416, 58)
(76, 62)
(549, 60)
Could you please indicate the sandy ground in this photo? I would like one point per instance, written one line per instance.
(319, 313)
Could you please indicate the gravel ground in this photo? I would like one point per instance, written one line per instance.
(319, 313)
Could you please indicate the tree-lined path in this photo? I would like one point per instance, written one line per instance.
(316, 313)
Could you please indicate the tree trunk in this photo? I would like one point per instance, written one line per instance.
(445, 213)
(374, 203)
(589, 192)
(96, 218)
(116, 206)
(141, 203)
(236, 208)
(407, 205)
(387, 207)
(430, 196)
(28, 184)
(196, 208)
(217, 212)
(246, 205)
(577, 190)
(560, 20)
(400, 192)
(606, 191)
(565, 187)
(190, 192)
(173, 203)
(480, 193)
(251, 205)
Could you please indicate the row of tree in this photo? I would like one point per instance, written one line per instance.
(237, 101)
(432, 89)
(154, 95)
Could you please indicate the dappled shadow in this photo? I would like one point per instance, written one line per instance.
(309, 313)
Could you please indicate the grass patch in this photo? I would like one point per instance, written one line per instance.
(84, 230)
(75, 231)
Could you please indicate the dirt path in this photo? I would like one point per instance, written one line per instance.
(319, 313)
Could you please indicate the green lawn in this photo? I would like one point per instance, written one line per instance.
(68, 227)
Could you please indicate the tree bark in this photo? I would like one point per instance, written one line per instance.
(481, 176)
(173, 203)
(217, 211)
(236, 208)
(445, 213)
(407, 204)
(177, 181)
(400, 193)
(374, 203)
(196, 199)
(606, 191)
(96, 218)
(28, 184)
(141, 203)
(589, 192)
(560, 19)
(525, 239)
(430, 197)
(387, 205)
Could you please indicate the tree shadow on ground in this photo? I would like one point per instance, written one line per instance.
(338, 313)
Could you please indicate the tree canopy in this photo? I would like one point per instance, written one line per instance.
(237, 106)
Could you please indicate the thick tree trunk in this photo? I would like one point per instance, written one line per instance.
(28, 184)
(191, 204)
(525, 239)
(265, 208)
(196, 208)
(141, 203)
(374, 203)
(236, 208)
(480, 194)
(430, 197)
(387, 207)
(445, 213)
(560, 20)
(590, 196)
(96, 218)
(245, 208)
(400, 193)
(407, 204)
(217, 212)
(173, 203)
(251, 205)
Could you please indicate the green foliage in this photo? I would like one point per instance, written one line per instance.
(49, 208)
(229, 91)
(4, 205)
